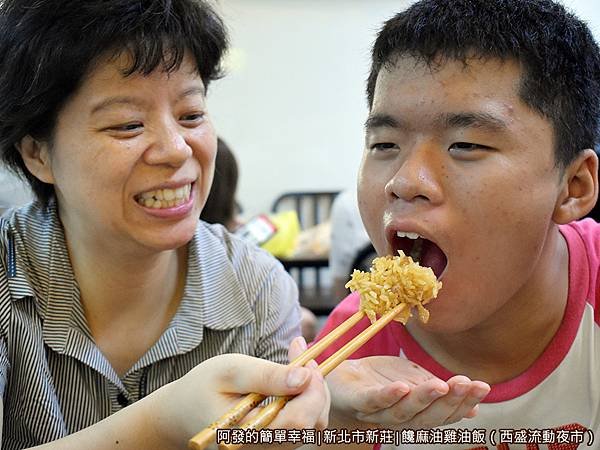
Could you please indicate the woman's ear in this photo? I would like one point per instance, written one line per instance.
(36, 157)
(580, 188)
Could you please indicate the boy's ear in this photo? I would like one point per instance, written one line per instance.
(580, 188)
(36, 157)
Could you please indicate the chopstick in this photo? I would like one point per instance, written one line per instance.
(233, 416)
(268, 413)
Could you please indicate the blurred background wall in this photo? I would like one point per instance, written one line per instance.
(292, 105)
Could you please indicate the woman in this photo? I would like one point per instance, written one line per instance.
(110, 287)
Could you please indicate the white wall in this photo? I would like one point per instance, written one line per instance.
(589, 11)
(292, 106)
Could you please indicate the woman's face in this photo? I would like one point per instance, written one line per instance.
(132, 157)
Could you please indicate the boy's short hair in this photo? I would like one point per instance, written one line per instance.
(48, 46)
(559, 58)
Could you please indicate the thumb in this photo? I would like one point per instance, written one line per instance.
(265, 377)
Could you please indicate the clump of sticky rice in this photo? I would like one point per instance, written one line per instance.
(395, 280)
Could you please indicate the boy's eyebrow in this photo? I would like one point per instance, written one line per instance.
(472, 119)
(382, 120)
(448, 120)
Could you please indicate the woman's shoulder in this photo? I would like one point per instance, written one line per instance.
(236, 251)
(217, 252)
(26, 237)
(30, 221)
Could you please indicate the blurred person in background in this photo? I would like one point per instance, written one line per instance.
(13, 191)
(222, 207)
(349, 239)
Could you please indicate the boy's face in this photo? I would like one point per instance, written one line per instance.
(453, 154)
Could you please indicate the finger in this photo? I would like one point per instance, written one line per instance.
(246, 374)
(306, 410)
(438, 412)
(297, 347)
(324, 417)
(478, 390)
(472, 413)
(376, 398)
(418, 399)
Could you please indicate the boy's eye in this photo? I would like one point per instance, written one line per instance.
(466, 147)
(383, 146)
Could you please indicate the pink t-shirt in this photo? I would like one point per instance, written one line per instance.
(561, 389)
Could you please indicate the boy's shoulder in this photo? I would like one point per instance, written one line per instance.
(587, 230)
(583, 242)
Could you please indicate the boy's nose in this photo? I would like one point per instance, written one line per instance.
(418, 176)
(169, 147)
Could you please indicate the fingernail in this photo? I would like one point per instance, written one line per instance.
(296, 377)
(460, 389)
(435, 394)
(403, 389)
(301, 342)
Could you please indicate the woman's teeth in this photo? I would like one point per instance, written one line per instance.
(165, 198)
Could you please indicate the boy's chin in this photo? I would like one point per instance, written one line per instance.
(446, 321)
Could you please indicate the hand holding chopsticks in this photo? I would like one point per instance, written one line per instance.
(231, 417)
(263, 418)
(390, 290)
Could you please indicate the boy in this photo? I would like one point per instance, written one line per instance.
(483, 116)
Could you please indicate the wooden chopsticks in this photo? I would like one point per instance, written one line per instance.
(268, 413)
(233, 416)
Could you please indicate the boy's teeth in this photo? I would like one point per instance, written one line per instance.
(406, 234)
(165, 198)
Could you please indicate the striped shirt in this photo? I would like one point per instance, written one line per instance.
(55, 381)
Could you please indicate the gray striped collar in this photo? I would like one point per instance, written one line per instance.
(213, 295)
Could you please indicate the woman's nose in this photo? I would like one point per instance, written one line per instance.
(170, 146)
(418, 176)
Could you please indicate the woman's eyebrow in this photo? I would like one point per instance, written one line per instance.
(194, 90)
(116, 100)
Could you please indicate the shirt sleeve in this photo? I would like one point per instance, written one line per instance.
(3, 366)
(4, 300)
(278, 315)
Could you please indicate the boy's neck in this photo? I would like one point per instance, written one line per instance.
(511, 340)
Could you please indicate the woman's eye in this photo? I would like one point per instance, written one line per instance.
(127, 127)
(193, 118)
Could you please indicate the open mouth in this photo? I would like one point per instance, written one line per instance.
(422, 250)
(165, 198)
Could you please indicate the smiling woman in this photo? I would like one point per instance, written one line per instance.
(110, 286)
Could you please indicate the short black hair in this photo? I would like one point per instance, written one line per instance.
(559, 58)
(221, 206)
(48, 46)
